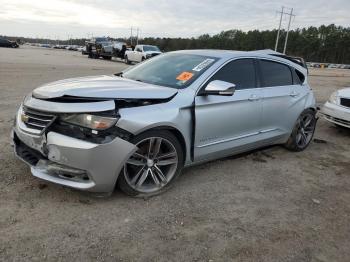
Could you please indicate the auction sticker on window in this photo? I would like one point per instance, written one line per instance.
(184, 76)
(203, 65)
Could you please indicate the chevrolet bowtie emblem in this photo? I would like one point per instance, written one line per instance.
(24, 118)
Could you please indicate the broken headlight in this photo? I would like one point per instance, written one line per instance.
(90, 121)
(334, 98)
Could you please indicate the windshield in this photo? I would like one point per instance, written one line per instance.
(150, 48)
(173, 69)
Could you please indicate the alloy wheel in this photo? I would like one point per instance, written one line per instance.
(152, 166)
(305, 130)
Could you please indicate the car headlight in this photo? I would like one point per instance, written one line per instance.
(334, 98)
(90, 121)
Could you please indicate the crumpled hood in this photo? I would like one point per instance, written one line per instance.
(103, 87)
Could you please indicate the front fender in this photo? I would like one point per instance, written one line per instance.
(140, 119)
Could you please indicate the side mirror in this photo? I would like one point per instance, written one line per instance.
(221, 88)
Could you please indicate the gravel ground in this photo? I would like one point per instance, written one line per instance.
(267, 205)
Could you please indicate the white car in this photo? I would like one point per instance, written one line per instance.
(337, 108)
(141, 53)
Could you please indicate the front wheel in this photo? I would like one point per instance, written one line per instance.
(154, 166)
(303, 131)
(127, 61)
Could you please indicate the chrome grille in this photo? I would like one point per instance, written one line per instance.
(345, 102)
(36, 121)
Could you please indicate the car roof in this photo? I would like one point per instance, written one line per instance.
(229, 54)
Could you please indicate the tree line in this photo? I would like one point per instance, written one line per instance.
(326, 44)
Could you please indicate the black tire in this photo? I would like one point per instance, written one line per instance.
(107, 57)
(295, 142)
(167, 136)
(127, 61)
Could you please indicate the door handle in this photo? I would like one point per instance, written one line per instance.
(294, 94)
(253, 98)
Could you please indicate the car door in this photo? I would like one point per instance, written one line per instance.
(133, 54)
(138, 54)
(282, 98)
(226, 124)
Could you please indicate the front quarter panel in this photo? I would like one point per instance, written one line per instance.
(176, 114)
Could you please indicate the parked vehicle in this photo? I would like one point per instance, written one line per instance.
(45, 45)
(119, 49)
(83, 50)
(141, 53)
(333, 66)
(337, 109)
(7, 43)
(60, 46)
(139, 128)
(99, 47)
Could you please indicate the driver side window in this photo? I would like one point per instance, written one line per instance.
(239, 72)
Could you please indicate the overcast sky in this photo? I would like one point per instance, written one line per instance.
(178, 18)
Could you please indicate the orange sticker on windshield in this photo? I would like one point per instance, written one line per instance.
(184, 76)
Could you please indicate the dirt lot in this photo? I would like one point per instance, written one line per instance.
(269, 205)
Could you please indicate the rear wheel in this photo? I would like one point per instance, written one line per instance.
(154, 166)
(127, 61)
(303, 131)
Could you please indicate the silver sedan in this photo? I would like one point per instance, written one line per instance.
(139, 128)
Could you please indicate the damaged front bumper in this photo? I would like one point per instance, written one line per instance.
(336, 114)
(72, 162)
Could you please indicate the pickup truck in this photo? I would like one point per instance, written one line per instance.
(99, 47)
(141, 53)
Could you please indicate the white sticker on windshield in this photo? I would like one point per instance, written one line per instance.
(203, 65)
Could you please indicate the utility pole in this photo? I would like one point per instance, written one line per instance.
(279, 29)
(290, 20)
(137, 36)
(131, 37)
(280, 25)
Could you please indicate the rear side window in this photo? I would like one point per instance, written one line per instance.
(298, 77)
(275, 74)
(239, 72)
